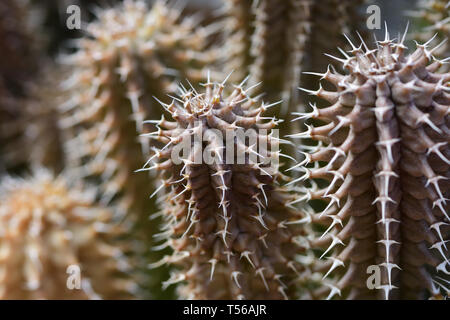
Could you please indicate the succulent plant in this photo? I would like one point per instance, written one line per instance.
(230, 227)
(363, 212)
(132, 53)
(18, 65)
(278, 46)
(434, 16)
(19, 45)
(381, 164)
(239, 19)
(276, 41)
(47, 226)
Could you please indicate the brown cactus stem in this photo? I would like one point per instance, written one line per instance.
(18, 60)
(433, 17)
(384, 150)
(229, 224)
(330, 21)
(239, 19)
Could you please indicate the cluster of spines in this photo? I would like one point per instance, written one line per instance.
(239, 27)
(48, 227)
(223, 220)
(385, 145)
(17, 66)
(433, 18)
(19, 45)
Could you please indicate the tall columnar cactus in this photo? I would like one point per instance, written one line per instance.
(8, 114)
(278, 45)
(287, 37)
(18, 64)
(228, 223)
(132, 53)
(42, 137)
(47, 229)
(384, 150)
(239, 20)
(433, 18)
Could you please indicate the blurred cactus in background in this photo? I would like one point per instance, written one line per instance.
(367, 185)
(434, 16)
(18, 64)
(133, 52)
(46, 226)
(239, 27)
(29, 130)
(276, 41)
(385, 145)
(223, 219)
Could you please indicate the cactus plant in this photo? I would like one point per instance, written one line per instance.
(225, 218)
(383, 151)
(330, 21)
(433, 15)
(277, 40)
(369, 219)
(46, 226)
(42, 135)
(278, 46)
(18, 65)
(239, 19)
(133, 52)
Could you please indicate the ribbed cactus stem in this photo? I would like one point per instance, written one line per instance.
(18, 60)
(434, 16)
(384, 150)
(18, 64)
(330, 21)
(229, 224)
(133, 52)
(48, 227)
(239, 19)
